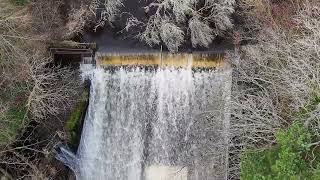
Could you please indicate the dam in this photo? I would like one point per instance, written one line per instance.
(156, 117)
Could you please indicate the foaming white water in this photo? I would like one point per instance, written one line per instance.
(155, 117)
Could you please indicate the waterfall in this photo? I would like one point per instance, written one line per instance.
(154, 122)
(65, 155)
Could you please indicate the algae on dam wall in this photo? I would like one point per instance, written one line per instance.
(182, 60)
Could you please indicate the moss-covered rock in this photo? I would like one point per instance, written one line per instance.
(75, 119)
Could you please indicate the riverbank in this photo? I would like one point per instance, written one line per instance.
(37, 93)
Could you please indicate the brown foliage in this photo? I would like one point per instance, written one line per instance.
(257, 15)
(77, 20)
(47, 18)
(59, 19)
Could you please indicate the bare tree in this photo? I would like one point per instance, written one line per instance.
(78, 18)
(53, 89)
(47, 19)
(105, 11)
(201, 33)
(51, 86)
(203, 20)
(27, 160)
(171, 35)
(171, 21)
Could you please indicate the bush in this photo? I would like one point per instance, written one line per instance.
(289, 159)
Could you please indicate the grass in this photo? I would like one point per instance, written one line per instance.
(75, 117)
(12, 117)
(14, 94)
(11, 124)
(311, 106)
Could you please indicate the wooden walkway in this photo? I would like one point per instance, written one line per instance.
(71, 51)
(72, 48)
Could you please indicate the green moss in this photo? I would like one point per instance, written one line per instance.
(19, 2)
(75, 117)
(11, 119)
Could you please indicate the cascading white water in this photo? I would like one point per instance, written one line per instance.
(146, 121)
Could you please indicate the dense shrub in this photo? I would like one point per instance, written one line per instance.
(294, 157)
